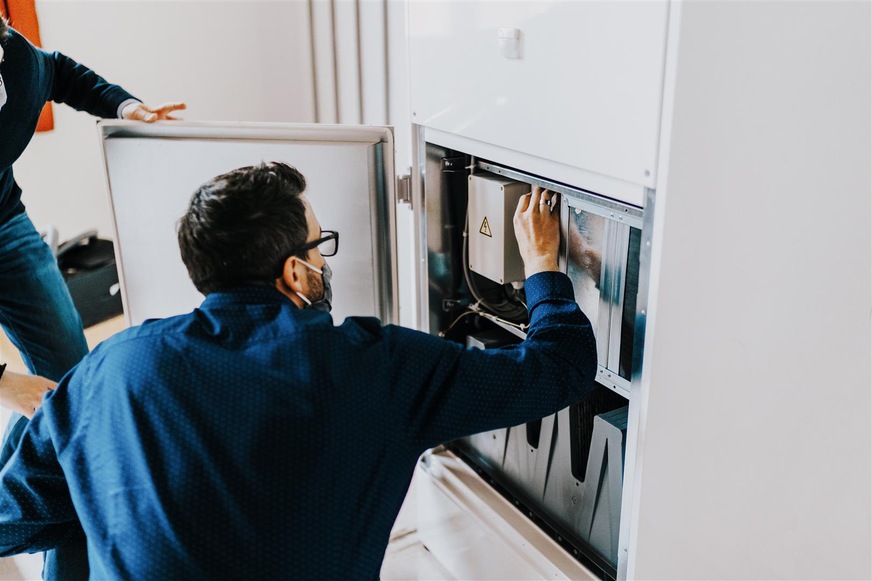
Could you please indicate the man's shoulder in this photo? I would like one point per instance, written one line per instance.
(18, 49)
(140, 336)
(366, 325)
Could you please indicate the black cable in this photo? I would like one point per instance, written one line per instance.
(505, 308)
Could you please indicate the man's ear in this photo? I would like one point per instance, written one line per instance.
(290, 283)
(293, 274)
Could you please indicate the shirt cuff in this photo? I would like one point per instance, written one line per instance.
(544, 286)
(125, 104)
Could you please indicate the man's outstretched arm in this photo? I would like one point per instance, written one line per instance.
(36, 511)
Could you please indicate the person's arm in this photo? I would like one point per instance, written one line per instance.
(36, 511)
(76, 85)
(445, 391)
(23, 393)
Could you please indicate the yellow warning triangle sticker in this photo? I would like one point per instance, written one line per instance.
(485, 228)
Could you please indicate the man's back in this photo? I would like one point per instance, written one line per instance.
(252, 438)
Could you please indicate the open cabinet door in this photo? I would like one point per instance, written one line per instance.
(152, 171)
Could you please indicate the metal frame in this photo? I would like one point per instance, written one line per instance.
(382, 185)
(635, 421)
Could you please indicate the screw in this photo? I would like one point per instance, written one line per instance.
(647, 173)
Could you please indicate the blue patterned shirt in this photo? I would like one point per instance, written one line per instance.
(251, 439)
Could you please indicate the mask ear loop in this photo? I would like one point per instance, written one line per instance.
(314, 268)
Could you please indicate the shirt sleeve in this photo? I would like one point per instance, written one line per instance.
(36, 510)
(446, 391)
(76, 85)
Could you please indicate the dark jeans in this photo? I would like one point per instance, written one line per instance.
(38, 316)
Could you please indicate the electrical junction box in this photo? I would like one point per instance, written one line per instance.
(493, 248)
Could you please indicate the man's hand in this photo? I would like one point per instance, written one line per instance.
(537, 230)
(140, 112)
(23, 393)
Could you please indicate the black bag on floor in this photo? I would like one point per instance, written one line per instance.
(88, 266)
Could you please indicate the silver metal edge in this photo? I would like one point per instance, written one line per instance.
(115, 128)
(633, 421)
(101, 130)
(419, 175)
(588, 201)
(383, 222)
(607, 283)
(613, 381)
(621, 241)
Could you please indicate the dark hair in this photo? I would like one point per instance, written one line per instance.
(241, 226)
(4, 29)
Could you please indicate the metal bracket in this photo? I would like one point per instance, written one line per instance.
(404, 189)
(455, 164)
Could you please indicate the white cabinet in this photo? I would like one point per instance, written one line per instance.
(746, 128)
(585, 91)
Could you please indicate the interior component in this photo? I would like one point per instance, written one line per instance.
(560, 469)
(601, 506)
(557, 466)
(493, 249)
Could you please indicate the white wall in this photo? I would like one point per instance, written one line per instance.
(756, 440)
(229, 60)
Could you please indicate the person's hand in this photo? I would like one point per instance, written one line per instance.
(140, 112)
(23, 393)
(537, 230)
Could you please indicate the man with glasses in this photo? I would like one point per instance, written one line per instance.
(252, 438)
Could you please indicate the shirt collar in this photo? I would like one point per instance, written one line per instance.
(245, 295)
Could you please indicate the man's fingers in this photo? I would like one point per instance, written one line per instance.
(523, 204)
(167, 108)
(535, 196)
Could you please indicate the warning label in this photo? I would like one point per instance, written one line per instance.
(485, 228)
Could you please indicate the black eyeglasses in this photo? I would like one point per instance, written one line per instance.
(328, 243)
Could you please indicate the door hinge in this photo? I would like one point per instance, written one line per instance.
(404, 189)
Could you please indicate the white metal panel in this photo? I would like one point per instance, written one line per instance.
(153, 170)
(346, 43)
(374, 62)
(398, 116)
(323, 60)
(603, 185)
(754, 456)
(585, 93)
(478, 534)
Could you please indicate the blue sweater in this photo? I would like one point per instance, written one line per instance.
(253, 440)
(32, 78)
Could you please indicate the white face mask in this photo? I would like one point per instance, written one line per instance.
(325, 303)
(2, 92)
